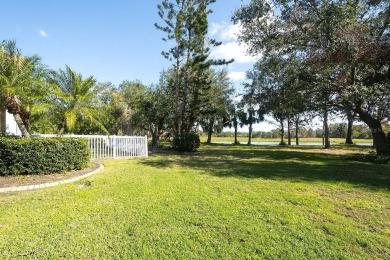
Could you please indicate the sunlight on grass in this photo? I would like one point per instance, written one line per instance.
(229, 202)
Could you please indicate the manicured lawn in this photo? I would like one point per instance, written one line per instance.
(228, 202)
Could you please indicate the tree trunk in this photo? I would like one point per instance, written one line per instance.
(2, 121)
(297, 131)
(380, 141)
(12, 105)
(192, 108)
(326, 131)
(186, 79)
(348, 139)
(250, 133)
(154, 138)
(25, 116)
(282, 133)
(210, 131)
(178, 124)
(235, 132)
(288, 130)
(62, 130)
(21, 126)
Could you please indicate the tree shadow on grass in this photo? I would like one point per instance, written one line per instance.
(279, 164)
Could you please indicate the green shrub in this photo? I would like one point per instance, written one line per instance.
(42, 155)
(370, 157)
(187, 142)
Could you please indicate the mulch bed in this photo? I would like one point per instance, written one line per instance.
(22, 180)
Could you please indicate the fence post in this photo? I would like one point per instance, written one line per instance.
(90, 145)
(146, 146)
(114, 146)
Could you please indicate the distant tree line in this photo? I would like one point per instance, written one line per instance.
(336, 130)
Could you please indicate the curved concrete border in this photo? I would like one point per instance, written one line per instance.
(50, 184)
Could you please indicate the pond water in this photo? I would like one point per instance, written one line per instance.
(292, 143)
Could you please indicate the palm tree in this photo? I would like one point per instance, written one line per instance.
(73, 98)
(20, 83)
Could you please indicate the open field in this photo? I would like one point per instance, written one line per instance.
(226, 202)
(244, 140)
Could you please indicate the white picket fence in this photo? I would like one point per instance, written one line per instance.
(112, 147)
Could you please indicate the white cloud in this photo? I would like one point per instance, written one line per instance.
(43, 33)
(237, 75)
(224, 31)
(230, 32)
(230, 49)
(233, 50)
(215, 29)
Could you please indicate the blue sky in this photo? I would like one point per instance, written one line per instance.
(110, 40)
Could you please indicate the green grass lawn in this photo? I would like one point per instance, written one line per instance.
(227, 202)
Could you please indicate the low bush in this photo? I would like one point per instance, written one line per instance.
(370, 157)
(187, 142)
(42, 155)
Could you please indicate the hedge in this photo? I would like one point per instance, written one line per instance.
(42, 155)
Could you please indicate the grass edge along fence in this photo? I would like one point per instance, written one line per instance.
(112, 147)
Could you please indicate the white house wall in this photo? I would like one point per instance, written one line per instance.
(10, 125)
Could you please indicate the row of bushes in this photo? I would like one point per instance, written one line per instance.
(42, 155)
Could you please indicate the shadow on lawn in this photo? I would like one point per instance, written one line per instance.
(278, 164)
